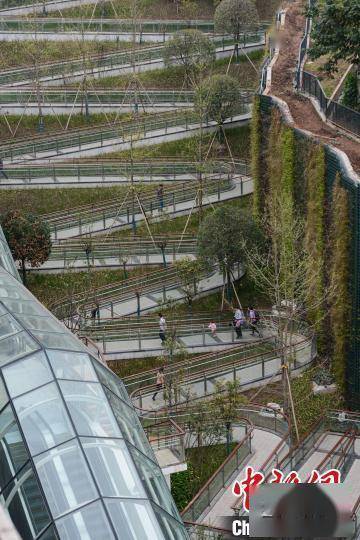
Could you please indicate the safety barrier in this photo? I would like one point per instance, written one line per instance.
(102, 63)
(105, 136)
(113, 171)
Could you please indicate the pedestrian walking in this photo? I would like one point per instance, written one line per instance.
(2, 169)
(160, 196)
(160, 382)
(162, 328)
(95, 312)
(238, 329)
(239, 321)
(212, 326)
(254, 319)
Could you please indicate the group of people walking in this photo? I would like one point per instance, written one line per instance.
(252, 319)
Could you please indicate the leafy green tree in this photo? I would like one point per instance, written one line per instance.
(222, 238)
(28, 237)
(336, 32)
(217, 98)
(235, 17)
(192, 50)
(189, 272)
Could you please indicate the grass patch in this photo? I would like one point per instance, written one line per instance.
(42, 201)
(161, 9)
(309, 408)
(173, 76)
(189, 149)
(29, 124)
(202, 463)
(145, 9)
(49, 288)
(176, 225)
(328, 81)
(25, 53)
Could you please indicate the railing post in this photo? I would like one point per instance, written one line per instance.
(80, 226)
(203, 335)
(112, 309)
(139, 340)
(104, 220)
(205, 384)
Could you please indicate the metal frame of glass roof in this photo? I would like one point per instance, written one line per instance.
(75, 462)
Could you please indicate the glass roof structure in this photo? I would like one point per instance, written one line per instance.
(75, 463)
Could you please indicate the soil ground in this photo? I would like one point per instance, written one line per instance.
(303, 112)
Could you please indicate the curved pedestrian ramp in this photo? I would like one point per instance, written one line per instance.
(112, 172)
(118, 136)
(113, 215)
(115, 63)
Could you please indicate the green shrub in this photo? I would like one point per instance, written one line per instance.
(339, 280)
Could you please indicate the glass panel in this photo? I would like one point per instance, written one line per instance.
(13, 453)
(49, 534)
(109, 379)
(8, 326)
(134, 520)
(65, 478)
(43, 418)
(58, 341)
(113, 468)
(89, 409)
(46, 324)
(26, 374)
(16, 346)
(9, 291)
(26, 505)
(154, 482)
(29, 307)
(2, 310)
(172, 529)
(89, 523)
(70, 365)
(130, 424)
(3, 395)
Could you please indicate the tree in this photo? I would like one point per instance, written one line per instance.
(234, 17)
(225, 403)
(28, 237)
(217, 98)
(222, 238)
(189, 272)
(192, 50)
(336, 32)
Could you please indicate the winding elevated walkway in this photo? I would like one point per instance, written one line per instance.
(115, 63)
(114, 172)
(119, 136)
(21, 7)
(65, 100)
(100, 29)
(113, 215)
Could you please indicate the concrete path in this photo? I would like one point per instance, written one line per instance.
(109, 65)
(238, 189)
(27, 8)
(263, 443)
(173, 131)
(250, 375)
(195, 342)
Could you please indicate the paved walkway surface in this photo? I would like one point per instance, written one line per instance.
(237, 190)
(248, 374)
(120, 143)
(62, 264)
(263, 443)
(67, 75)
(198, 342)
